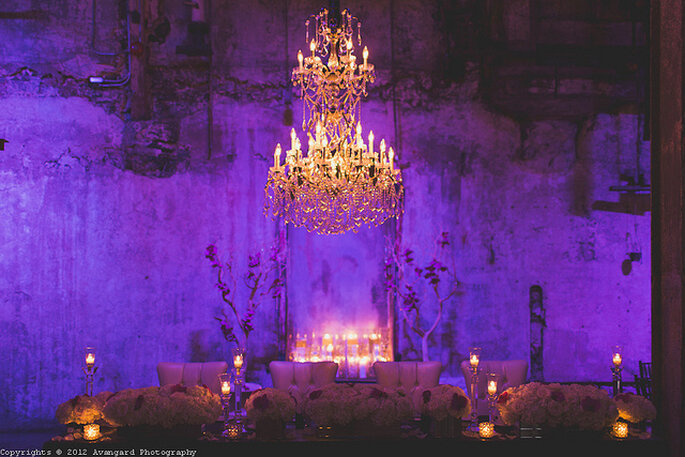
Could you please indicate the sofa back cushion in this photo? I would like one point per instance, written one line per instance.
(303, 375)
(191, 373)
(407, 375)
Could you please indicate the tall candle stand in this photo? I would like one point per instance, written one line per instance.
(616, 368)
(492, 396)
(225, 386)
(89, 370)
(238, 381)
(474, 360)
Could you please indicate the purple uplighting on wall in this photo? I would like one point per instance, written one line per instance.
(105, 218)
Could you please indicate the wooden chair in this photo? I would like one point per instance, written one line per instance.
(643, 383)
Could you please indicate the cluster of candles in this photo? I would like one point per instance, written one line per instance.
(354, 355)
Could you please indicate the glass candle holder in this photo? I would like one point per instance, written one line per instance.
(620, 430)
(474, 358)
(492, 385)
(493, 388)
(225, 395)
(617, 356)
(89, 369)
(91, 432)
(238, 360)
(90, 358)
(233, 430)
(474, 361)
(616, 368)
(225, 385)
(486, 430)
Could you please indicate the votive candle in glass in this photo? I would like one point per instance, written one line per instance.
(620, 430)
(225, 388)
(617, 357)
(233, 430)
(474, 357)
(90, 358)
(91, 432)
(486, 429)
(492, 384)
(238, 359)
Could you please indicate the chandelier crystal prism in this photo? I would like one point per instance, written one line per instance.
(341, 183)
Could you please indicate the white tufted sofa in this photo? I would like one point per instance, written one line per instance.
(302, 375)
(407, 375)
(191, 373)
(511, 373)
(300, 378)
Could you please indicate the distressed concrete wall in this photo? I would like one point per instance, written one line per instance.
(105, 220)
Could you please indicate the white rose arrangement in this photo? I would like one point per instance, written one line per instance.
(573, 406)
(165, 406)
(270, 403)
(299, 396)
(381, 407)
(442, 402)
(82, 409)
(634, 408)
(331, 405)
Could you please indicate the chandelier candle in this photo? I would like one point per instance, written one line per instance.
(340, 183)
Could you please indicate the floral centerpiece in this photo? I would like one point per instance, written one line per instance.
(444, 401)
(167, 407)
(380, 409)
(82, 409)
(299, 396)
(634, 408)
(270, 403)
(557, 406)
(444, 406)
(332, 405)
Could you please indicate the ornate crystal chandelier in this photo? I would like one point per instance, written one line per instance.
(341, 182)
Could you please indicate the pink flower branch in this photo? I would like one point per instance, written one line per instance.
(410, 282)
(256, 280)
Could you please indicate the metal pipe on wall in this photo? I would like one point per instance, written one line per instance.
(99, 80)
